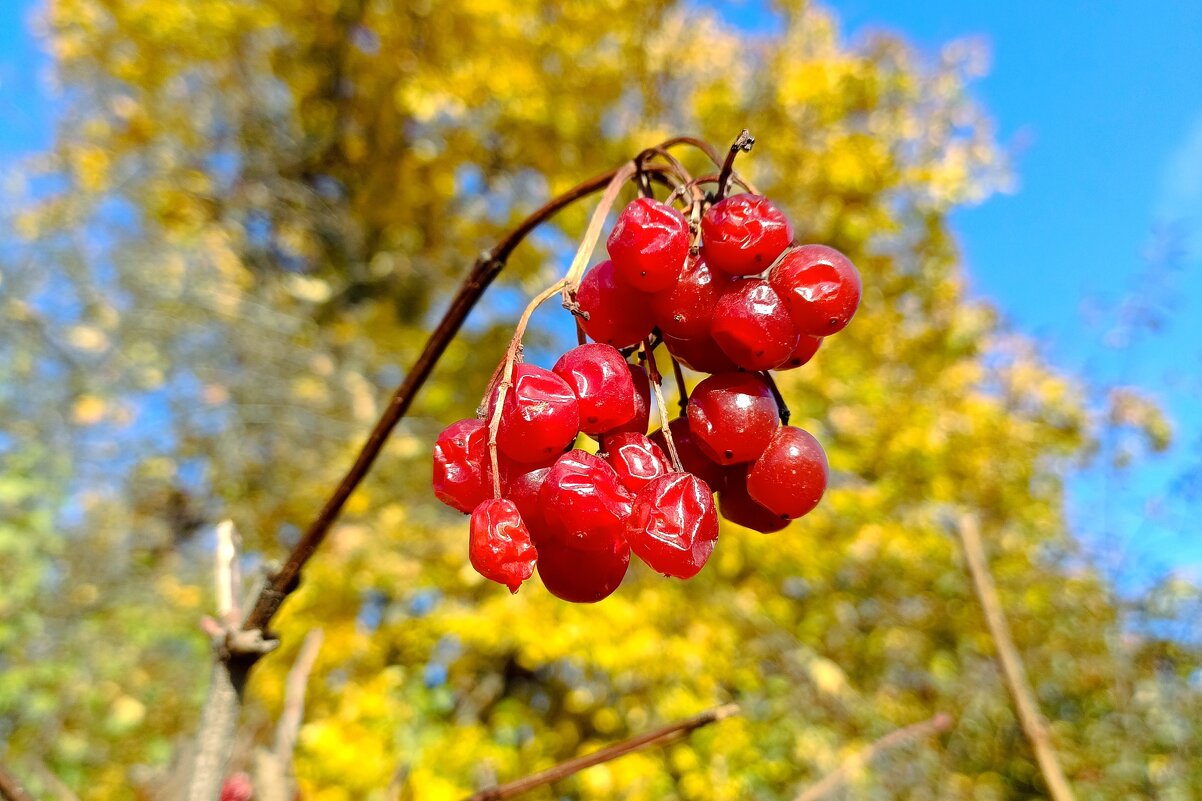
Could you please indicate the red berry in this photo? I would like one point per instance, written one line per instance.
(462, 471)
(807, 346)
(737, 506)
(499, 546)
(237, 787)
(618, 314)
(733, 416)
(649, 244)
(525, 492)
(540, 418)
(583, 577)
(790, 477)
(752, 326)
(684, 310)
(692, 458)
(636, 459)
(701, 354)
(673, 525)
(642, 403)
(820, 286)
(598, 375)
(743, 234)
(585, 504)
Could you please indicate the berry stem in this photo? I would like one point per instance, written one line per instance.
(782, 408)
(682, 392)
(571, 281)
(656, 381)
(742, 144)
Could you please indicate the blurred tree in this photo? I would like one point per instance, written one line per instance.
(252, 214)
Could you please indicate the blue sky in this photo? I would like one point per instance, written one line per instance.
(1102, 104)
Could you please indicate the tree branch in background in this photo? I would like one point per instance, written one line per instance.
(10, 788)
(274, 777)
(51, 781)
(661, 736)
(1015, 674)
(915, 731)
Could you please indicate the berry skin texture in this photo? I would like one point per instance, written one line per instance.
(524, 490)
(673, 525)
(685, 309)
(692, 458)
(743, 234)
(462, 471)
(649, 244)
(753, 327)
(585, 504)
(701, 354)
(739, 508)
(618, 314)
(820, 286)
(604, 389)
(807, 346)
(583, 577)
(540, 418)
(636, 459)
(733, 417)
(642, 403)
(499, 546)
(790, 477)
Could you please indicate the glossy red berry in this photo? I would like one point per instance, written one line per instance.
(685, 309)
(790, 477)
(525, 491)
(752, 326)
(635, 458)
(807, 346)
(541, 416)
(701, 354)
(462, 470)
(499, 546)
(820, 286)
(733, 417)
(598, 375)
(649, 244)
(583, 577)
(618, 314)
(673, 525)
(743, 234)
(735, 505)
(642, 402)
(692, 458)
(585, 504)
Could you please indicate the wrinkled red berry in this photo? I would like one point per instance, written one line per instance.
(673, 525)
(648, 244)
(462, 471)
(635, 458)
(752, 326)
(685, 309)
(701, 354)
(585, 504)
(735, 505)
(807, 346)
(733, 417)
(540, 417)
(692, 458)
(790, 477)
(743, 234)
(583, 577)
(601, 381)
(618, 314)
(642, 402)
(820, 286)
(499, 546)
(525, 491)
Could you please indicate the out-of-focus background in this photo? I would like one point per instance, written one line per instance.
(227, 226)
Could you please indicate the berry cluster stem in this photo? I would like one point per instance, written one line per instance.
(782, 408)
(656, 385)
(742, 144)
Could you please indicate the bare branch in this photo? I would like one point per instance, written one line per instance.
(894, 739)
(10, 788)
(1032, 720)
(226, 571)
(294, 695)
(661, 736)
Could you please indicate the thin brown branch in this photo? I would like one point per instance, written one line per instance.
(660, 736)
(894, 739)
(10, 788)
(1032, 720)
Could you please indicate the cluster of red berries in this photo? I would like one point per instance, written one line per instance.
(741, 301)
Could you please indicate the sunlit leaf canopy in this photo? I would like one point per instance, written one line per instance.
(253, 213)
